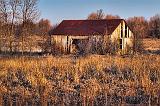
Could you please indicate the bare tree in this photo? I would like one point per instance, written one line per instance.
(154, 26)
(29, 13)
(9, 10)
(110, 16)
(139, 25)
(100, 14)
(1, 37)
(4, 14)
(44, 26)
(140, 29)
(15, 16)
(4, 11)
(14, 10)
(96, 15)
(29, 41)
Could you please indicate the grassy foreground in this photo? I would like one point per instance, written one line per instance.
(93, 80)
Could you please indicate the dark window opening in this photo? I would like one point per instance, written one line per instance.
(68, 48)
(120, 43)
(121, 30)
(125, 31)
(120, 46)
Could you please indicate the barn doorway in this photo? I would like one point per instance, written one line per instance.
(79, 45)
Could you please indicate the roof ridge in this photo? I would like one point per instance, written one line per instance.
(90, 20)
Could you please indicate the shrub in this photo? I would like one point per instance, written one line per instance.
(138, 45)
(127, 74)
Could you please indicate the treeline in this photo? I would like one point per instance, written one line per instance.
(19, 29)
(141, 27)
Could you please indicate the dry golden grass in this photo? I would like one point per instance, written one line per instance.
(151, 44)
(92, 74)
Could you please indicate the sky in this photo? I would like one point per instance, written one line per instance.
(58, 10)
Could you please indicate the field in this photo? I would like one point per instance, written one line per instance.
(92, 80)
(152, 45)
(99, 80)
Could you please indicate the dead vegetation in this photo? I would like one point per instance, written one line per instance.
(151, 46)
(91, 80)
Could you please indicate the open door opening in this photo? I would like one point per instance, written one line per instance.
(79, 45)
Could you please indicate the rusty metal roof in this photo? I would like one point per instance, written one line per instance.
(86, 27)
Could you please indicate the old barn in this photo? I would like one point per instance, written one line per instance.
(71, 35)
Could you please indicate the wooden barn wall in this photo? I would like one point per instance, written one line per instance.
(62, 40)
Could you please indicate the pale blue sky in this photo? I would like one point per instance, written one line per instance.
(58, 10)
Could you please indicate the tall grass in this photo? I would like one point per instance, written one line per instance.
(90, 80)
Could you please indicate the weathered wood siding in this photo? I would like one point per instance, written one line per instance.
(60, 41)
(66, 41)
(127, 37)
